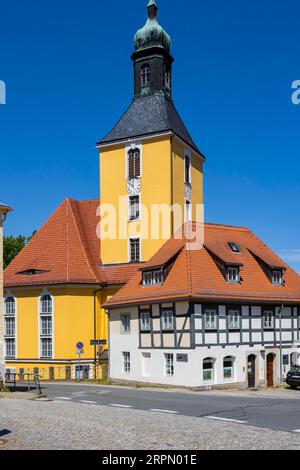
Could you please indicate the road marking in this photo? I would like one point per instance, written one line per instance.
(120, 406)
(225, 419)
(63, 398)
(164, 411)
(78, 394)
(296, 430)
(89, 402)
(104, 392)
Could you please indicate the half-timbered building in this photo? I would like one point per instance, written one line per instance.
(225, 315)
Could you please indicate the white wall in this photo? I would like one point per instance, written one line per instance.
(190, 374)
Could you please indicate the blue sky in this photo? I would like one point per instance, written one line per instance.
(69, 78)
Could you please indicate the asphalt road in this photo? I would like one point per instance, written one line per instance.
(280, 414)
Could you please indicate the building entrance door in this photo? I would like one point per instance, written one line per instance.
(270, 370)
(251, 371)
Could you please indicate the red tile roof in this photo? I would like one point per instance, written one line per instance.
(195, 274)
(67, 249)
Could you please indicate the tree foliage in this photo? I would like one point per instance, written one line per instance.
(12, 247)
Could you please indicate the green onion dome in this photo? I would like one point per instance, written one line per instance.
(152, 34)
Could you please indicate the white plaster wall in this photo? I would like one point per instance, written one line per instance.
(189, 374)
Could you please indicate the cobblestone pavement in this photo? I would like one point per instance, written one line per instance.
(67, 425)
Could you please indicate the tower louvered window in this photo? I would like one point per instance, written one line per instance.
(134, 250)
(134, 163)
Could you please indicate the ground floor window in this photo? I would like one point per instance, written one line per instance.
(208, 370)
(10, 347)
(126, 362)
(46, 347)
(169, 365)
(228, 368)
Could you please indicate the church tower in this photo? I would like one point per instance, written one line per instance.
(149, 162)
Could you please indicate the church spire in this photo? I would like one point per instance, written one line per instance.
(152, 9)
(152, 59)
(152, 33)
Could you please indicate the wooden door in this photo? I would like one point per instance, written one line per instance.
(270, 370)
(251, 371)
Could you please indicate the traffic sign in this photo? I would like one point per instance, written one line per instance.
(79, 345)
(98, 342)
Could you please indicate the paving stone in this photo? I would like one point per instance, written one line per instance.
(69, 425)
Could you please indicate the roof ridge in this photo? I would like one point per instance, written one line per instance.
(82, 244)
(68, 205)
(236, 228)
(189, 271)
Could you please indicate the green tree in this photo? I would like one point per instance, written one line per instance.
(12, 247)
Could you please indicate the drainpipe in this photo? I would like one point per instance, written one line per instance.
(280, 343)
(95, 329)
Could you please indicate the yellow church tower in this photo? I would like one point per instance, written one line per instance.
(150, 168)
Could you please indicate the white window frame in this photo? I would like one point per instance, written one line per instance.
(126, 323)
(268, 319)
(277, 277)
(137, 208)
(133, 146)
(169, 365)
(7, 316)
(167, 320)
(232, 368)
(187, 154)
(145, 321)
(212, 369)
(153, 278)
(231, 277)
(234, 319)
(129, 249)
(210, 319)
(45, 314)
(126, 356)
(188, 211)
(148, 75)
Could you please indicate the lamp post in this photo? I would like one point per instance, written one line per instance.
(4, 210)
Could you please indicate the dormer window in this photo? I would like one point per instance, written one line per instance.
(32, 272)
(145, 75)
(234, 247)
(277, 278)
(233, 274)
(153, 278)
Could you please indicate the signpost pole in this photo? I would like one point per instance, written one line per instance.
(98, 344)
(79, 356)
(80, 351)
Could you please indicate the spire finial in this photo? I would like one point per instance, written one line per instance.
(152, 9)
(152, 2)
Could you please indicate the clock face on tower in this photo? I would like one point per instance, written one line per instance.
(133, 186)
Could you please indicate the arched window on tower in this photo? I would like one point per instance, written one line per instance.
(145, 75)
(134, 163)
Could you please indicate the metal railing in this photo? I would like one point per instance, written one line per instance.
(74, 372)
(28, 380)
